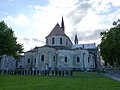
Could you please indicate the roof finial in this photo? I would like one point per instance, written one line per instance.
(62, 25)
(76, 39)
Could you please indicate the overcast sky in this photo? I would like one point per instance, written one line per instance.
(33, 20)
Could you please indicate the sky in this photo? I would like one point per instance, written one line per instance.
(33, 20)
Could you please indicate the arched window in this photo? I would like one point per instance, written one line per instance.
(53, 40)
(28, 60)
(78, 59)
(21, 66)
(53, 58)
(65, 59)
(42, 58)
(60, 40)
(35, 60)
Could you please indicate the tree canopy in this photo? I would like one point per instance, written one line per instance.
(8, 41)
(110, 45)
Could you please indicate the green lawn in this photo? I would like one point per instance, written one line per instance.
(79, 81)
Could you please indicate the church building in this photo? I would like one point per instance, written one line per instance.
(59, 53)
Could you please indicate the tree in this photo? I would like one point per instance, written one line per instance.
(8, 42)
(110, 45)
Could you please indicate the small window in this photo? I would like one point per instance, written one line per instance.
(42, 58)
(21, 66)
(35, 60)
(60, 40)
(65, 59)
(28, 61)
(53, 58)
(53, 40)
(78, 59)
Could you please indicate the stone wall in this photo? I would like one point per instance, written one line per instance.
(7, 63)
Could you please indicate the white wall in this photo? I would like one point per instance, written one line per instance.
(65, 40)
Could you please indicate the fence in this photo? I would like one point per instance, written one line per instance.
(37, 72)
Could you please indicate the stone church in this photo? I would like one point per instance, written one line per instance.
(59, 53)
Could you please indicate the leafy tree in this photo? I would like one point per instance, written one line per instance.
(110, 45)
(8, 41)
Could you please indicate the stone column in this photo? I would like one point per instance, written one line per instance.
(50, 59)
(37, 62)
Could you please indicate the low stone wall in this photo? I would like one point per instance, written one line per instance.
(37, 72)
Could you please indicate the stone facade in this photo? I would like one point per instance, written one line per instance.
(7, 63)
(59, 53)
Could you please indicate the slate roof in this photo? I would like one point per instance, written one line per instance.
(57, 30)
(85, 46)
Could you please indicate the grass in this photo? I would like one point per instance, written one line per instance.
(79, 81)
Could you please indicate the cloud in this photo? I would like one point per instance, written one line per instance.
(77, 14)
(30, 43)
(85, 17)
(20, 20)
(86, 36)
(114, 2)
(37, 40)
(26, 39)
(11, 0)
(95, 35)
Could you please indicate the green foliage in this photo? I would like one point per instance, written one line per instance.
(8, 42)
(80, 81)
(110, 46)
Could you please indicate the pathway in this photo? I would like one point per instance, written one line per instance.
(113, 75)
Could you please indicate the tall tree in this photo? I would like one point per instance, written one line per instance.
(8, 41)
(110, 45)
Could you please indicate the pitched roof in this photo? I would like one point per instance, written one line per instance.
(57, 30)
